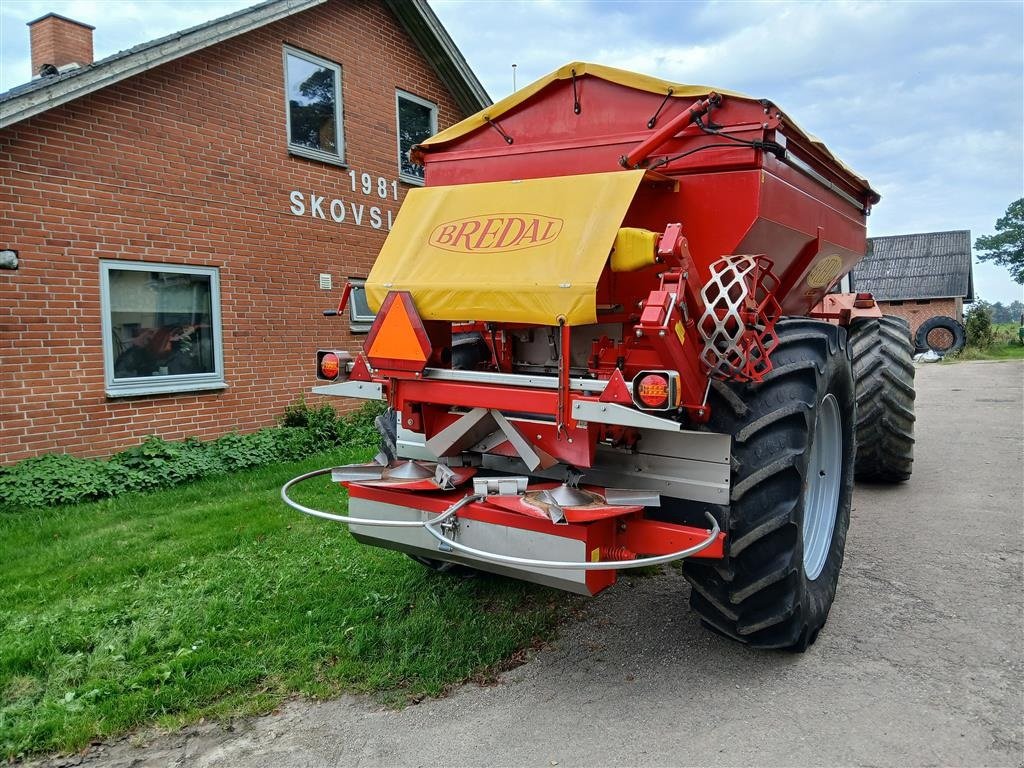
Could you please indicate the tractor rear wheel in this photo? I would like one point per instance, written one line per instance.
(791, 486)
(883, 372)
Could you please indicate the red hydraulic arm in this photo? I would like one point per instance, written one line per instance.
(667, 131)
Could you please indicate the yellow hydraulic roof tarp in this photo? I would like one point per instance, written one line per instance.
(527, 251)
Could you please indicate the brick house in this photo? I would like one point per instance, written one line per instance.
(175, 217)
(918, 276)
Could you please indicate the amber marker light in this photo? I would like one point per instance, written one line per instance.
(656, 390)
(653, 391)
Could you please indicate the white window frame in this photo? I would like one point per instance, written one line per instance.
(359, 322)
(399, 95)
(339, 110)
(152, 385)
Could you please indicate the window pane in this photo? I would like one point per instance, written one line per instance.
(360, 315)
(312, 107)
(161, 323)
(415, 124)
(359, 304)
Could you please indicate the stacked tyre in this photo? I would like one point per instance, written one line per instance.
(940, 334)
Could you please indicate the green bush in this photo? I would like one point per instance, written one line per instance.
(157, 463)
(978, 322)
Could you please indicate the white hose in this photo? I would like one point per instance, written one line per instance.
(362, 520)
(493, 557)
(608, 565)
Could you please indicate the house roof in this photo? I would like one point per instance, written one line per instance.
(423, 26)
(928, 265)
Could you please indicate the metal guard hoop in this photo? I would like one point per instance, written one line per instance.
(493, 557)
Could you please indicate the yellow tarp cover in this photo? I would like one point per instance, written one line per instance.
(621, 77)
(526, 251)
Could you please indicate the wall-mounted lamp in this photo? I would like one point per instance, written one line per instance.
(8, 259)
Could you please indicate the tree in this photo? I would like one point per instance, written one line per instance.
(978, 322)
(1006, 246)
(1016, 311)
(1001, 314)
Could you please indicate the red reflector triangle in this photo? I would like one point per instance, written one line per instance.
(616, 391)
(395, 336)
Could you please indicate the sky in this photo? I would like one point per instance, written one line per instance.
(925, 99)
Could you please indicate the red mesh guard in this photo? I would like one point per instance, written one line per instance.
(738, 324)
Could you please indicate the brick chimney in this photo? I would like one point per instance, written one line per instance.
(59, 41)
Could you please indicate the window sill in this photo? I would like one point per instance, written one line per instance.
(164, 388)
(414, 181)
(312, 154)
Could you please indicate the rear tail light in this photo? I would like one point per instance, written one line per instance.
(656, 390)
(863, 301)
(332, 364)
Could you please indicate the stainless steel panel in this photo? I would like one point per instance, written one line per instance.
(413, 445)
(467, 430)
(613, 413)
(688, 444)
(670, 476)
(486, 536)
(367, 390)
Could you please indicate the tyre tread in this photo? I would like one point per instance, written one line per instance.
(884, 379)
(756, 595)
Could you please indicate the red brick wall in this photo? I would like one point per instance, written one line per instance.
(916, 312)
(188, 164)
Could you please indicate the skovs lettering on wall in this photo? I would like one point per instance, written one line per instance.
(339, 211)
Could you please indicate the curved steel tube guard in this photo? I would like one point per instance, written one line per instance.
(493, 557)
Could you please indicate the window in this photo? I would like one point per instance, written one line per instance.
(313, 93)
(360, 315)
(923, 301)
(417, 121)
(161, 328)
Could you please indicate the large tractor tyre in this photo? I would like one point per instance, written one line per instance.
(883, 373)
(941, 334)
(791, 485)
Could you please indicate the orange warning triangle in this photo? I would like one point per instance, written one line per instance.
(396, 339)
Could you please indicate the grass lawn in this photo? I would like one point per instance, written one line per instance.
(1006, 346)
(215, 599)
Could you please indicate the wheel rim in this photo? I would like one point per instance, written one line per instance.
(821, 497)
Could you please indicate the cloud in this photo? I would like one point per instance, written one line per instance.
(924, 99)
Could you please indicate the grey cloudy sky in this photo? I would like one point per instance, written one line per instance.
(926, 99)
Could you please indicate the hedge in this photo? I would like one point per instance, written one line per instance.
(55, 479)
